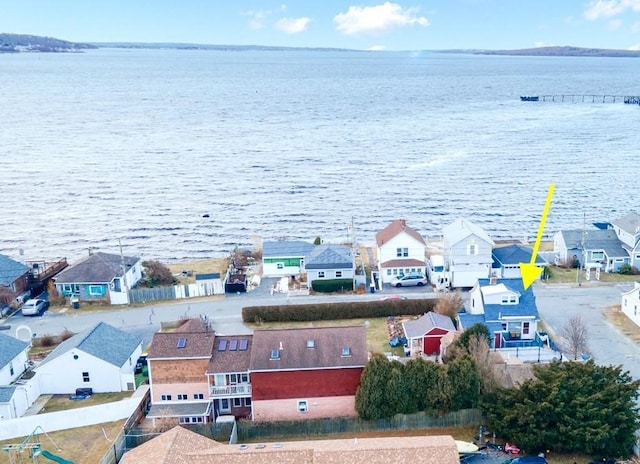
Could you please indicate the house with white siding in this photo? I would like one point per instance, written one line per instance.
(284, 257)
(507, 259)
(102, 358)
(467, 250)
(401, 250)
(631, 303)
(627, 228)
(329, 261)
(16, 395)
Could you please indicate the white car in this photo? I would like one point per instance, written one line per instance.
(35, 307)
(409, 280)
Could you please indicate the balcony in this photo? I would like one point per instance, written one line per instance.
(242, 389)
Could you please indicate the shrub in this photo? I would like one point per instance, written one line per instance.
(332, 311)
(628, 269)
(332, 285)
(66, 335)
(44, 341)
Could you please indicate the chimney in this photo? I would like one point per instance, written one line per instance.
(493, 280)
(403, 222)
(280, 347)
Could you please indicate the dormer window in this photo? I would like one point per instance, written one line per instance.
(346, 352)
(509, 299)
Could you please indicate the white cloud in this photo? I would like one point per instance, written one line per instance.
(635, 27)
(377, 48)
(292, 25)
(635, 47)
(257, 18)
(597, 9)
(377, 19)
(614, 24)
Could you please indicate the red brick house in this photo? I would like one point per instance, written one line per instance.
(425, 333)
(309, 372)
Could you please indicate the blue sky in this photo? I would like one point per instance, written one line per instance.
(358, 24)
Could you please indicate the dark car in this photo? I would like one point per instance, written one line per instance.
(530, 460)
(142, 361)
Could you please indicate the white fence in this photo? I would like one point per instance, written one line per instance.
(174, 292)
(73, 418)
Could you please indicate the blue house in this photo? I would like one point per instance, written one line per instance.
(507, 259)
(507, 309)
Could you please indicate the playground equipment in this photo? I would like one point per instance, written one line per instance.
(34, 449)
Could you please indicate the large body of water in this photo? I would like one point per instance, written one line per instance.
(138, 146)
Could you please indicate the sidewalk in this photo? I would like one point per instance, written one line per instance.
(37, 405)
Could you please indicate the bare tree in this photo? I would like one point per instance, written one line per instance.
(481, 354)
(449, 304)
(574, 336)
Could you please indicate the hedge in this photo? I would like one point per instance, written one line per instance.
(332, 285)
(334, 311)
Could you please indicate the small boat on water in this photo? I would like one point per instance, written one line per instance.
(529, 98)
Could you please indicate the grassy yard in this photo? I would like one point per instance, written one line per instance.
(377, 335)
(86, 445)
(562, 275)
(200, 266)
(63, 403)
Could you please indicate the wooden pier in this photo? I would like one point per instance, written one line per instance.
(626, 99)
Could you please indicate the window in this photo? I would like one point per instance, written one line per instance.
(280, 266)
(11, 368)
(183, 397)
(388, 272)
(244, 378)
(338, 274)
(402, 252)
(597, 255)
(525, 328)
(472, 249)
(165, 397)
(346, 352)
(399, 252)
(395, 272)
(116, 285)
(504, 326)
(70, 289)
(303, 406)
(85, 377)
(513, 299)
(185, 420)
(320, 274)
(247, 401)
(275, 354)
(237, 402)
(198, 396)
(96, 290)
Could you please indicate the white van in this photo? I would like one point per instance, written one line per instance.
(435, 268)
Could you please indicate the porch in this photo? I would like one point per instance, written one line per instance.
(241, 389)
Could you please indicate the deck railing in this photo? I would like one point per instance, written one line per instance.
(241, 389)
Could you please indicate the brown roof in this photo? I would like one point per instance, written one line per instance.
(192, 325)
(403, 262)
(164, 345)
(228, 360)
(393, 229)
(182, 448)
(172, 447)
(294, 352)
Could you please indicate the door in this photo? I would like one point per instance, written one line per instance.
(224, 406)
(498, 340)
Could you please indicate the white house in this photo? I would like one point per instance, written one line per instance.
(329, 262)
(16, 394)
(102, 358)
(284, 258)
(401, 250)
(467, 252)
(627, 229)
(631, 303)
(100, 276)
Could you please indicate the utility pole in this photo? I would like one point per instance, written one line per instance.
(124, 271)
(584, 253)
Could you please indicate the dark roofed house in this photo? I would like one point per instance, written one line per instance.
(309, 372)
(329, 261)
(177, 363)
(627, 229)
(102, 358)
(100, 276)
(14, 279)
(284, 257)
(592, 247)
(507, 259)
(228, 374)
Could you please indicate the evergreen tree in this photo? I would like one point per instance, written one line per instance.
(372, 395)
(462, 386)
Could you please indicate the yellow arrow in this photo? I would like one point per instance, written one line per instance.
(530, 271)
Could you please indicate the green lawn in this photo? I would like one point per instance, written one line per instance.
(562, 275)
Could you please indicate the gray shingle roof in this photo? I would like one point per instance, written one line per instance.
(102, 341)
(418, 327)
(595, 239)
(176, 410)
(329, 257)
(286, 249)
(629, 223)
(209, 276)
(10, 347)
(98, 268)
(461, 229)
(514, 254)
(10, 270)
(6, 392)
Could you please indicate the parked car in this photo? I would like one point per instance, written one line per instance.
(35, 307)
(409, 280)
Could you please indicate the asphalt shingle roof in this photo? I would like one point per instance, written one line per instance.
(418, 327)
(393, 229)
(97, 268)
(326, 353)
(286, 249)
(6, 392)
(329, 257)
(10, 270)
(10, 347)
(176, 410)
(595, 239)
(102, 341)
(461, 229)
(164, 345)
(630, 223)
(525, 307)
(228, 360)
(514, 254)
